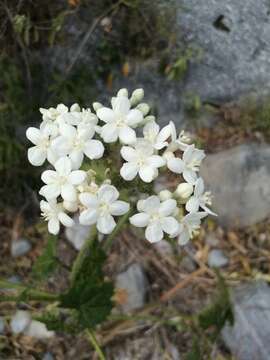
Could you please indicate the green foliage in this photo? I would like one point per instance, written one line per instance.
(60, 322)
(90, 295)
(46, 263)
(219, 312)
(195, 352)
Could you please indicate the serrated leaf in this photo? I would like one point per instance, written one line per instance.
(89, 294)
(46, 263)
(57, 321)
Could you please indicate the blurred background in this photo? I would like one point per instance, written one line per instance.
(204, 65)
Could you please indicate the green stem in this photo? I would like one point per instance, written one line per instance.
(109, 240)
(30, 294)
(82, 254)
(93, 340)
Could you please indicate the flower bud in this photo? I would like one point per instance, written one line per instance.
(136, 96)
(149, 118)
(144, 108)
(183, 191)
(75, 107)
(165, 195)
(123, 92)
(97, 105)
(71, 206)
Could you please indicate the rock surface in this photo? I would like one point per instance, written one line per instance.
(239, 181)
(77, 234)
(20, 247)
(217, 259)
(134, 282)
(248, 339)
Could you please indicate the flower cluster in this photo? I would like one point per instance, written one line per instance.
(73, 140)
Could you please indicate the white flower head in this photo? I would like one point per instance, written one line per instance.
(42, 150)
(120, 121)
(199, 199)
(189, 165)
(157, 217)
(50, 118)
(54, 213)
(77, 142)
(62, 181)
(189, 226)
(140, 160)
(155, 136)
(101, 207)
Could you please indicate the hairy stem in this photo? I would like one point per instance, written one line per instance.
(93, 341)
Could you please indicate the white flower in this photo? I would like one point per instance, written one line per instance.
(42, 149)
(189, 165)
(189, 226)
(119, 121)
(62, 181)
(50, 119)
(75, 118)
(199, 199)
(156, 217)
(180, 142)
(20, 321)
(76, 143)
(140, 159)
(101, 208)
(54, 213)
(183, 191)
(165, 195)
(155, 136)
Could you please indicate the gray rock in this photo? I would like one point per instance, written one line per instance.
(239, 181)
(20, 247)
(48, 356)
(248, 339)
(217, 259)
(134, 282)
(2, 325)
(77, 234)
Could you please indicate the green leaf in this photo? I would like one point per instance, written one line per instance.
(219, 312)
(46, 263)
(57, 321)
(89, 294)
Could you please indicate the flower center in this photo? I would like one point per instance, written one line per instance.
(104, 208)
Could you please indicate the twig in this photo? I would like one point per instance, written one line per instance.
(93, 340)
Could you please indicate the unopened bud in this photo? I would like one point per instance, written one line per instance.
(97, 105)
(165, 195)
(71, 206)
(136, 97)
(123, 92)
(183, 191)
(75, 108)
(144, 108)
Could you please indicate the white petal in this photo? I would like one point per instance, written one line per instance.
(151, 204)
(36, 156)
(170, 225)
(127, 135)
(106, 224)
(77, 177)
(94, 149)
(128, 153)
(199, 187)
(88, 217)
(164, 134)
(121, 105)
(76, 157)
(184, 237)
(192, 204)
(167, 207)
(109, 133)
(106, 114)
(151, 127)
(65, 219)
(128, 171)
(68, 131)
(176, 165)
(147, 173)
(190, 176)
(63, 166)
(49, 176)
(86, 131)
(140, 219)
(88, 200)
(34, 135)
(54, 226)
(156, 161)
(154, 233)
(108, 193)
(20, 321)
(68, 192)
(51, 191)
(188, 153)
(134, 117)
(52, 156)
(119, 207)
(61, 146)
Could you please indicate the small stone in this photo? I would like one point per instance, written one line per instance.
(164, 248)
(134, 282)
(77, 234)
(48, 356)
(2, 325)
(20, 321)
(217, 259)
(188, 264)
(211, 239)
(20, 247)
(38, 330)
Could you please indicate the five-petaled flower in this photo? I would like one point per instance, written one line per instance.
(189, 226)
(199, 199)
